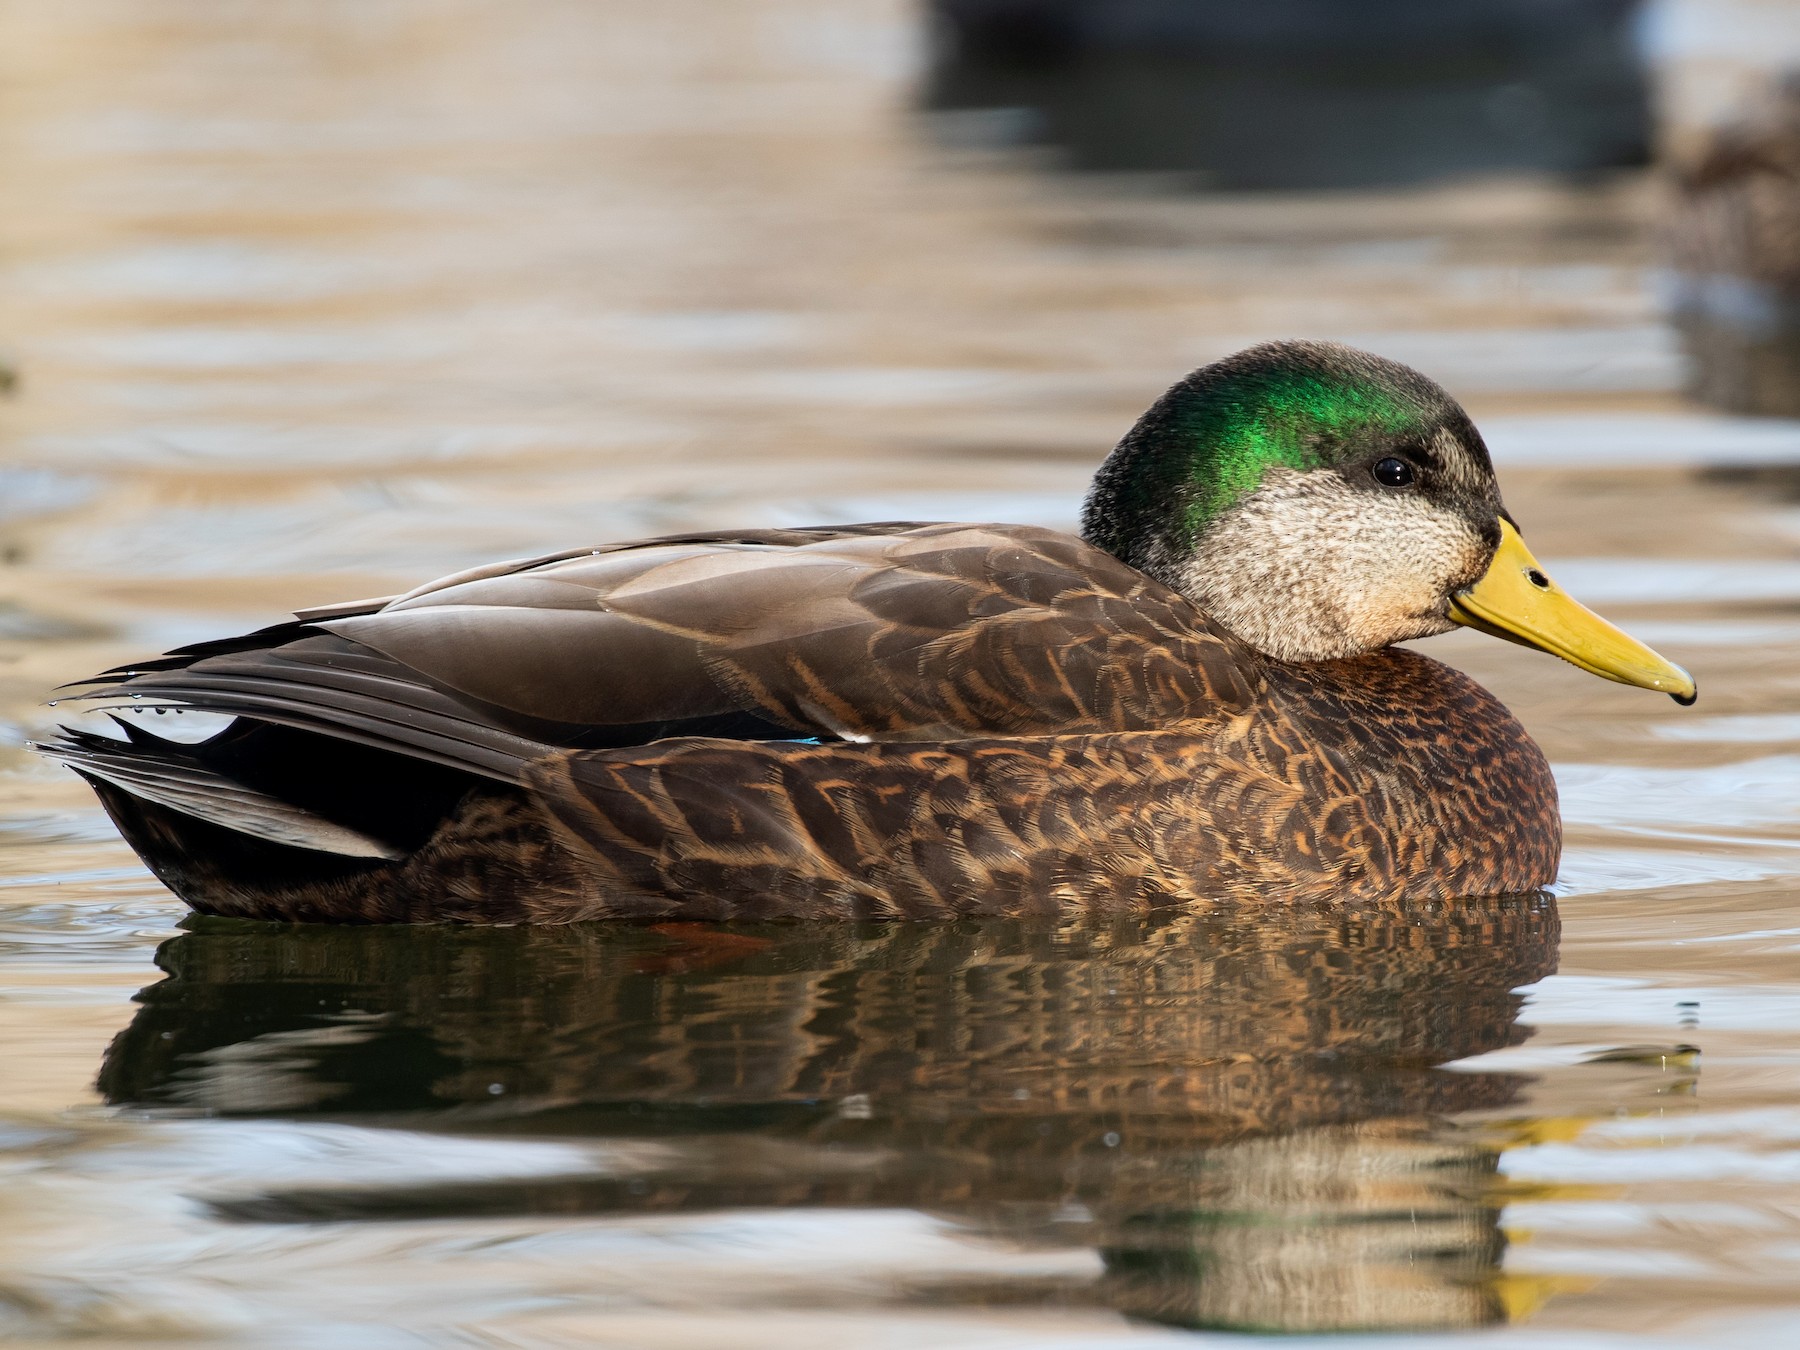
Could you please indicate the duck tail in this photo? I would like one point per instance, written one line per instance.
(170, 775)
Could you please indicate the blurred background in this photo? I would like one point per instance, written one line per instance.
(303, 300)
(392, 287)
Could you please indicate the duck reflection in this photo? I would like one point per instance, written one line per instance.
(1240, 1111)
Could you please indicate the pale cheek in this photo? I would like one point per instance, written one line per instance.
(1316, 572)
(1384, 619)
(1387, 596)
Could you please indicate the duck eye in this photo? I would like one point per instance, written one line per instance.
(1392, 472)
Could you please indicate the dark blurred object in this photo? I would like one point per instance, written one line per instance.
(1241, 1112)
(1735, 245)
(1306, 93)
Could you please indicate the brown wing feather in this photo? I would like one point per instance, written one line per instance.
(323, 683)
(917, 633)
(897, 632)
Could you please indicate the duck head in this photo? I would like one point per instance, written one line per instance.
(1320, 502)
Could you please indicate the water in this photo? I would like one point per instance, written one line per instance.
(315, 301)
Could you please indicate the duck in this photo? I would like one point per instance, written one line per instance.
(1733, 258)
(1198, 698)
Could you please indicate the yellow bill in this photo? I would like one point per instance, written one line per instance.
(1517, 601)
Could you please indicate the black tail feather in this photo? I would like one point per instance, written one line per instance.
(174, 776)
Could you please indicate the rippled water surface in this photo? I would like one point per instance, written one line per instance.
(310, 301)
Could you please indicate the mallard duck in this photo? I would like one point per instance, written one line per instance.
(1732, 238)
(1199, 697)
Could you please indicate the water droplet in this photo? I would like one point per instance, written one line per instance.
(1110, 1138)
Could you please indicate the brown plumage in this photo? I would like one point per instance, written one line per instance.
(1048, 728)
(888, 720)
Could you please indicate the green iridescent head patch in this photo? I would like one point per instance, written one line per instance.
(1296, 419)
(1214, 438)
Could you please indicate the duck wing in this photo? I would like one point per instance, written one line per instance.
(889, 632)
